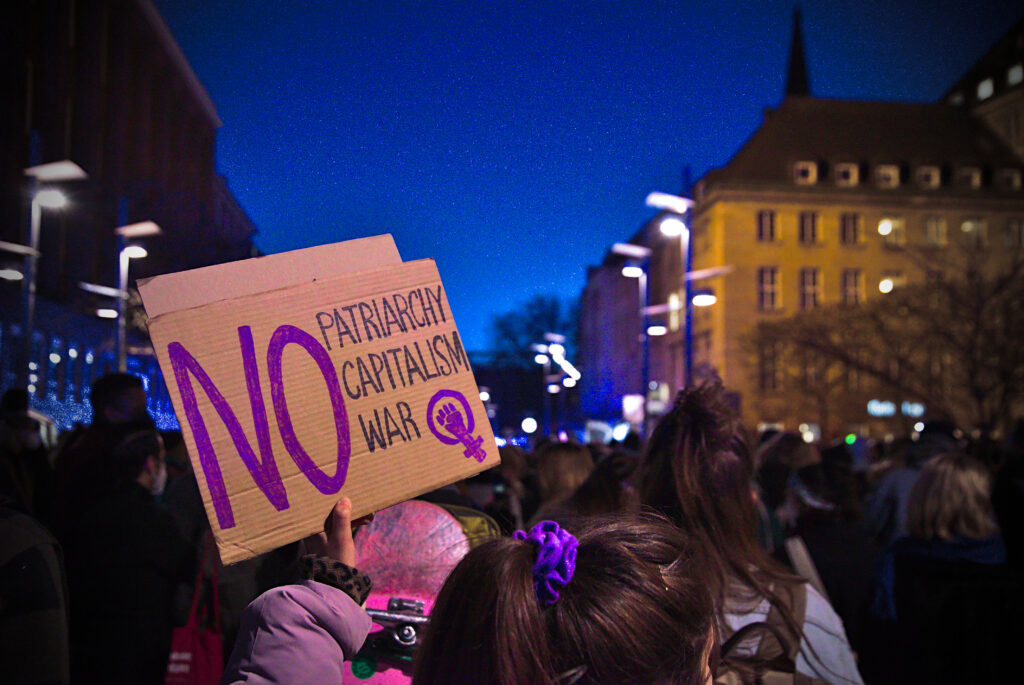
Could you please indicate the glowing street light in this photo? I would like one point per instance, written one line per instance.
(885, 227)
(529, 425)
(885, 285)
(126, 253)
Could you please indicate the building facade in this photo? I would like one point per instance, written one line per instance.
(103, 84)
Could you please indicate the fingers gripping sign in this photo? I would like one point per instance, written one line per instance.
(453, 423)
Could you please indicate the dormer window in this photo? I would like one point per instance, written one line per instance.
(928, 176)
(1015, 74)
(887, 176)
(985, 89)
(847, 175)
(1008, 179)
(805, 173)
(968, 177)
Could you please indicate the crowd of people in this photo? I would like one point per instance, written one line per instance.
(703, 555)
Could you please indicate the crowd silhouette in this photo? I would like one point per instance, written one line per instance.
(703, 555)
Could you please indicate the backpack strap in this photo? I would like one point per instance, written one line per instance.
(795, 599)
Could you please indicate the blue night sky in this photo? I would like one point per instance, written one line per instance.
(513, 142)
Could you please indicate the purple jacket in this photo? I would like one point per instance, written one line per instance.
(297, 634)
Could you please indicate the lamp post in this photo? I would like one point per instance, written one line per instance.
(50, 198)
(637, 268)
(674, 224)
(126, 253)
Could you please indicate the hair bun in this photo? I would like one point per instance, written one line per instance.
(704, 412)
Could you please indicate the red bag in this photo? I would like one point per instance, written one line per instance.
(197, 652)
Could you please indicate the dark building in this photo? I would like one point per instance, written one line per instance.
(104, 84)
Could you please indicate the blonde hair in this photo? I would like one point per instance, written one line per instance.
(951, 497)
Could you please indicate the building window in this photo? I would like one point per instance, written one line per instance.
(766, 226)
(768, 296)
(928, 176)
(1015, 233)
(1015, 74)
(887, 176)
(805, 173)
(769, 367)
(893, 230)
(968, 177)
(985, 89)
(935, 231)
(808, 227)
(975, 231)
(849, 228)
(847, 175)
(1008, 179)
(853, 286)
(810, 283)
(674, 307)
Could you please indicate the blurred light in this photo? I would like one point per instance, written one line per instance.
(88, 357)
(803, 428)
(881, 408)
(32, 389)
(620, 431)
(139, 230)
(491, 413)
(672, 226)
(529, 425)
(631, 271)
(33, 378)
(32, 366)
(563, 436)
(541, 358)
(885, 285)
(485, 396)
(569, 382)
(135, 252)
(554, 388)
(556, 350)
(704, 299)
(808, 436)
(106, 313)
(500, 441)
(885, 227)
(673, 203)
(912, 409)
(11, 275)
(54, 358)
(850, 439)
(919, 426)
(656, 330)
(73, 353)
(52, 172)
(51, 199)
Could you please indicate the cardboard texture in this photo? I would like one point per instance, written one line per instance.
(355, 383)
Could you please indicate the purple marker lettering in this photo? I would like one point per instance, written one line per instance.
(320, 480)
(264, 471)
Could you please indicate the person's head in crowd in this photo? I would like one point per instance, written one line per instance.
(561, 468)
(936, 438)
(118, 398)
(138, 455)
(513, 463)
(625, 607)
(840, 480)
(952, 499)
(606, 490)
(698, 472)
(789, 475)
(14, 401)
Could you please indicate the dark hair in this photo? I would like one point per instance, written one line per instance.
(635, 612)
(109, 389)
(605, 490)
(561, 468)
(133, 443)
(697, 471)
(14, 400)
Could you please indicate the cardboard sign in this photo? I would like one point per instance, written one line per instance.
(304, 376)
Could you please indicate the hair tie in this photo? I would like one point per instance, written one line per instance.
(556, 559)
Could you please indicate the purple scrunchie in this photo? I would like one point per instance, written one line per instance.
(556, 559)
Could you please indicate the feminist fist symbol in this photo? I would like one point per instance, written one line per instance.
(451, 420)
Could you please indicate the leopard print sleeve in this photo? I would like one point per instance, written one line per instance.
(328, 571)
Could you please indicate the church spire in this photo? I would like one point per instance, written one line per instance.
(797, 82)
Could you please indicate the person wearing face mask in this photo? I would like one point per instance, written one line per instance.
(125, 557)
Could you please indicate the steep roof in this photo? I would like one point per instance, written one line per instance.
(995, 64)
(835, 131)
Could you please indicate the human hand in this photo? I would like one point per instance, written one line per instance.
(451, 419)
(337, 541)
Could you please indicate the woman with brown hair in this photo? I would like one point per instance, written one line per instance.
(618, 603)
(698, 472)
(562, 467)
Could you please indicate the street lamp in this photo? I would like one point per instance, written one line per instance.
(637, 269)
(53, 172)
(674, 225)
(126, 253)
